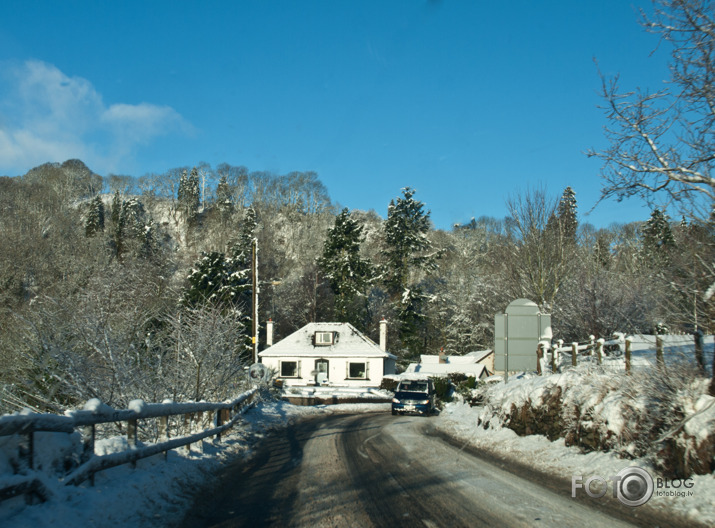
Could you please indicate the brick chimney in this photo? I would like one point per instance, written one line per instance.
(269, 332)
(442, 356)
(383, 335)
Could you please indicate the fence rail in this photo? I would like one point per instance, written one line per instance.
(221, 417)
(595, 349)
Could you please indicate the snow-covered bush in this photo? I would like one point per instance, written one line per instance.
(648, 414)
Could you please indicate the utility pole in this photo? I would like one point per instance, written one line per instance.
(254, 267)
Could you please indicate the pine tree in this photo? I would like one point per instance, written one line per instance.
(189, 194)
(133, 229)
(215, 280)
(566, 213)
(95, 217)
(658, 240)
(407, 246)
(563, 224)
(341, 263)
(408, 254)
(116, 207)
(241, 249)
(224, 197)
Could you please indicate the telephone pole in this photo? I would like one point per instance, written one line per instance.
(254, 268)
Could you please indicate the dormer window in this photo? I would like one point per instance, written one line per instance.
(324, 338)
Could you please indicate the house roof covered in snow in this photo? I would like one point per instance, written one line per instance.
(347, 341)
(472, 369)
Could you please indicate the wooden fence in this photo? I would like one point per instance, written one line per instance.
(593, 348)
(214, 418)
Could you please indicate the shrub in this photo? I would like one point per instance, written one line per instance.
(443, 389)
(388, 384)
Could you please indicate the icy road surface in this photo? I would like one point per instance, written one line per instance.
(379, 470)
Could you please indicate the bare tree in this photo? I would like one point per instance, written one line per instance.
(536, 260)
(662, 143)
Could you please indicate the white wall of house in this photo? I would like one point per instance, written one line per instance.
(341, 371)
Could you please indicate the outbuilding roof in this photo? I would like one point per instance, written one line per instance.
(348, 342)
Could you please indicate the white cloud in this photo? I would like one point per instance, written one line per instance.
(47, 116)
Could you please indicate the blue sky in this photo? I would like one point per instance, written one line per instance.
(468, 102)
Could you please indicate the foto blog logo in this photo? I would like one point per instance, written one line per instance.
(632, 486)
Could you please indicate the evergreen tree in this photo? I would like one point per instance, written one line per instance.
(189, 194)
(224, 197)
(215, 280)
(407, 246)
(133, 230)
(408, 254)
(341, 263)
(562, 224)
(241, 249)
(566, 212)
(95, 217)
(658, 240)
(116, 207)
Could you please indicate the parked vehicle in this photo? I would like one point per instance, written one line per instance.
(414, 396)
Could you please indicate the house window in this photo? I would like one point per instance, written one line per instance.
(324, 338)
(357, 370)
(289, 369)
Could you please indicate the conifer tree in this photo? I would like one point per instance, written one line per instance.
(341, 263)
(242, 247)
(116, 207)
(407, 246)
(95, 217)
(189, 194)
(224, 198)
(566, 212)
(217, 280)
(658, 239)
(408, 256)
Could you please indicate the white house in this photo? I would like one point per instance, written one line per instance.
(477, 364)
(330, 354)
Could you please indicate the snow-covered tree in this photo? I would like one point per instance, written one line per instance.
(94, 222)
(224, 197)
(658, 240)
(116, 207)
(341, 263)
(216, 280)
(407, 248)
(408, 256)
(242, 247)
(189, 194)
(662, 142)
(566, 214)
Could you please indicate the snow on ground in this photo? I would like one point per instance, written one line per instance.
(460, 420)
(157, 492)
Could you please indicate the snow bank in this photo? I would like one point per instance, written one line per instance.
(158, 492)
(627, 411)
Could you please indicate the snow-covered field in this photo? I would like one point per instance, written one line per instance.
(158, 492)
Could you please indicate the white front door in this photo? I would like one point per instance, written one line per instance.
(321, 371)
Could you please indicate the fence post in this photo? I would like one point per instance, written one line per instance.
(187, 427)
(91, 433)
(628, 355)
(539, 357)
(599, 350)
(659, 360)
(591, 345)
(553, 360)
(574, 353)
(132, 437)
(164, 432)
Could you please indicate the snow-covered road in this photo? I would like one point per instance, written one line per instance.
(375, 469)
